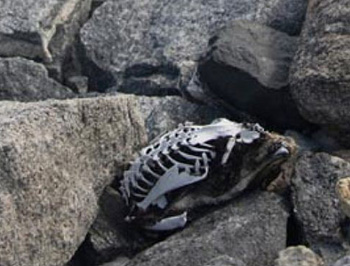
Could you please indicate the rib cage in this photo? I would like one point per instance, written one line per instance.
(179, 158)
(171, 149)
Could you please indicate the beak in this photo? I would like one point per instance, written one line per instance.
(281, 152)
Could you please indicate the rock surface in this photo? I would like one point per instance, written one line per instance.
(247, 67)
(40, 28)
(316, 204)
(345, 261)
(320, 74)
(25, 80)
(56, 158)
(298, 256)
(155, 44)
(237, 231)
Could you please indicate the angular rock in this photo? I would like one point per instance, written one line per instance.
(56, 158)
(166, 113)
(298, 256)
(345, 261)
(247, 68)
(252, 230)
(316, 205)
(155, 44)
(40, 28)
(25, 80)
(320, 73)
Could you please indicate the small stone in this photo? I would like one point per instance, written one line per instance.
(78, 83)
(298, 256)
(343, 192)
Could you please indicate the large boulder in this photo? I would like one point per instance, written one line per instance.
(56, 157)
(247, 68)
(320, 73)
(42, 29)
(316, 205)
(251, 230)
(154, 45)
(24, 80)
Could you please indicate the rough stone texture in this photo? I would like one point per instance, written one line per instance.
(165, 113)
(320, 73)
(247, 67)
(40, 28)
(154, 44)
(316, 204)
(298, 256)
(252, 229)
(25, 80)
(56, 158)
(345, 261)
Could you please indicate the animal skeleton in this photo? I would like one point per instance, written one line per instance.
(177, 159)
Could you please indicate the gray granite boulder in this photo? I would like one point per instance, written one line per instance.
(320, 73)
(247, 68)
(154, 45)
(345, 261)
(251, 230)
(42, 29)
(24, 80)
(56, 157)
(316, 205)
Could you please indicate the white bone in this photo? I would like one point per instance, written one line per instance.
(170, 181)
(229, 146)
(170, 223)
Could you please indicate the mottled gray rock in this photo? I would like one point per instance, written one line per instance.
(247, 68)
(316, 205)
(320, 73)
(166, 113)
(252, 229)
(56, 157)
(345, 261)
(25, 80)
(298, 256)
(154, 44)
(41, 28)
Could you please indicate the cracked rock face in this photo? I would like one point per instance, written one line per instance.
(236, 231)
(24, 80)
(316, 204)
(320, 73)
(247, 68)
(155, 44)
(40, 28)
(56, 158)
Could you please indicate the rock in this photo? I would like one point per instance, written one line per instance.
(298, 256)
(56, 158)
(41, 29)
(154, 45)
(79, 84)
(345, 261)
(237, 231)
(343, 193)
(25, 80)
(320, 73)
(316, 205)
(247, 67)
(165, 113)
